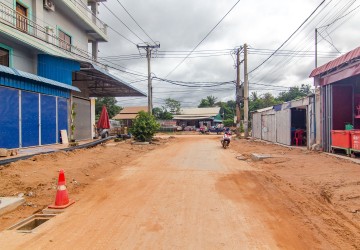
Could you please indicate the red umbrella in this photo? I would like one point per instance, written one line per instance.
(103, 121)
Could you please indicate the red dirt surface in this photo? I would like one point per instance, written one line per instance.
(188, 192)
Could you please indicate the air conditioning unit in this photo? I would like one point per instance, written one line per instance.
(49, 5)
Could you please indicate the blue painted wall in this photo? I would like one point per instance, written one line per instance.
(29, 119)
(56, 68)
(9, 118)
(29, 85)
(48, 120)
(62, 116)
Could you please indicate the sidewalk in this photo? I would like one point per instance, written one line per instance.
(31, 151)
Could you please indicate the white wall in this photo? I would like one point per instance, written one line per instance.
(59, 20)
(24, 59)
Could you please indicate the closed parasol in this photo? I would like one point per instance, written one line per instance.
(103, 122)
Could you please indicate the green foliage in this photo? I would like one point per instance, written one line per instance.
(162, 114)
(209, 101)
(173, 106)
(144, 126)
(228, 122)
(227, 109)
(294, 93)
(267, 100)
(72, 120)
(111, 106)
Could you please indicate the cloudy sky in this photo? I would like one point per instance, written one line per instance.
(264, 25)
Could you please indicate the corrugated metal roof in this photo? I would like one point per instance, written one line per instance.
(36, 78)
(133, 109)
(337, 62)
(130, 112)
(125, 116)
(104, 84)
(200, 111)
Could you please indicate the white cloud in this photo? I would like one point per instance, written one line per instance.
(180, 25)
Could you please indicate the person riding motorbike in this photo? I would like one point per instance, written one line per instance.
(226, 139)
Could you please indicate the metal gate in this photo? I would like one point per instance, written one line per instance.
(9, 118)
(256, 125)
(82, 120)
(29, 119)
(63, 116)
(268, 132)
(283, 127)
(48, 119)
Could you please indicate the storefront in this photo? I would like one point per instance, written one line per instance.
(33, 109)
(339, 83)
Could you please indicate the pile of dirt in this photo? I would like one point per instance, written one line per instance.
(35, 179)
(321, 188)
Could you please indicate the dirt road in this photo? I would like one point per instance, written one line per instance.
(191, 194)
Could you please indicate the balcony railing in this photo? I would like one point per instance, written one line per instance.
(83, 8)
(14, 19)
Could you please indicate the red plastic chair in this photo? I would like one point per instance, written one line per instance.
(299, 137)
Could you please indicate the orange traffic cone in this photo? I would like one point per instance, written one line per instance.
(62, 196)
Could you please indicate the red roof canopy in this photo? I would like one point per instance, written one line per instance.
(337, 62)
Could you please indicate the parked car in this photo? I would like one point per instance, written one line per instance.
(214, 129)
(115, 129)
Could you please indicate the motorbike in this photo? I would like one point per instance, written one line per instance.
(225, 141)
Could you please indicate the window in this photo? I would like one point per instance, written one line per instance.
(4, 57)
(65, 40)
(21, 17)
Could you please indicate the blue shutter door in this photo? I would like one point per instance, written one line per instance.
(48, 120)
(62, 116)
(9, 118)
(29, 119)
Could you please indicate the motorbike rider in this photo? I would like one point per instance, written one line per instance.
(226, 136)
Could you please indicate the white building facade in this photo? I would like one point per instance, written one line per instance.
(45, 68)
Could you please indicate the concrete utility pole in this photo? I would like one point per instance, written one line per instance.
(246, 94)
(148, 49)
(316, 42)
(238, 92)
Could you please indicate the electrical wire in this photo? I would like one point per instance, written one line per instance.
(122, 22)
(178, 65)
(136, 22)
(287, 38)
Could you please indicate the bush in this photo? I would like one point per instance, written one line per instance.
(144, 126)
(228, 122)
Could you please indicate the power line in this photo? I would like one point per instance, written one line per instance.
(136, 22)
(288, 38)
(122, 22)
(203, 39)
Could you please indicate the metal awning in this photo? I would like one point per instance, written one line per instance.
(100, 83)
(36, 78)
(344, 59)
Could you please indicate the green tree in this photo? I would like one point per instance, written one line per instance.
(111, 106)
(173, 106)
(295, 93)
(144, 126)
(162, 113)
(209, 101)
(227, 109)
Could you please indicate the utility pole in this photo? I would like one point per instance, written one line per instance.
(246, 94)
(316, 48)
(149, 49)
(238, 92)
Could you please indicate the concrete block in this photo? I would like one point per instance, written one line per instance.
(241, 157)
(8, 204)
(52, 211)
(260, 157)
(3, 152)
